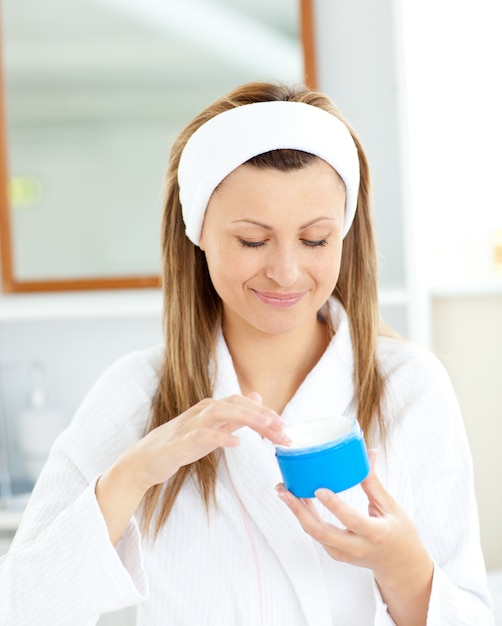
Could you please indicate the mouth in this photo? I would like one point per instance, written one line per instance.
(279, 300)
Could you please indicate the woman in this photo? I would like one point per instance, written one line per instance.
(271, 318)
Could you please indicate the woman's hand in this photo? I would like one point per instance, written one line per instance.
(156, 457)
(385, 541)
(206, 426)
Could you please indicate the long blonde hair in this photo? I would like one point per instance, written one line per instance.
(192, 308)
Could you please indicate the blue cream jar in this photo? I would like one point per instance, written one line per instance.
(328, 452)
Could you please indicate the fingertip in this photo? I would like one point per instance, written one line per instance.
(283, 494)
(232, 441)
(284, 440)
(372, 456)
(372, 481)
(323, 495)
(255, 396)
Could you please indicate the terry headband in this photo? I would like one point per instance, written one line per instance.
(233, 137)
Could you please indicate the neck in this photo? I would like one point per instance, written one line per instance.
(275, 365)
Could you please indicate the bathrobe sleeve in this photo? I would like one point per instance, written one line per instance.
(62, 568)
(435, 484)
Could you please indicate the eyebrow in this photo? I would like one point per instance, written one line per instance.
(267, 227)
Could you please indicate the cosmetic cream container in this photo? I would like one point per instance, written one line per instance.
(328, 452)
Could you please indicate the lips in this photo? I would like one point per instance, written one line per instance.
(279, 300)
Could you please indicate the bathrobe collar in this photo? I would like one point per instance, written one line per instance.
(327, 390)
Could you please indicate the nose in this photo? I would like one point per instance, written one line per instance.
(283, 267)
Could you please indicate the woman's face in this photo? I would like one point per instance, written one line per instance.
(273, 244)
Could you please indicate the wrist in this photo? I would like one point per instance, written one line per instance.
(416, 574)
(127, 478)
(407, 590)
(118, 501)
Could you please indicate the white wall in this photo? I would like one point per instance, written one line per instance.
(452, 55)
(360, 65)
(74, 349)
(420, 83)
(357, 67)
(468, 339)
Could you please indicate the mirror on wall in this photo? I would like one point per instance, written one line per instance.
(94, 91)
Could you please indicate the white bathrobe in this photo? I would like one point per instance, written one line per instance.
(249, 563)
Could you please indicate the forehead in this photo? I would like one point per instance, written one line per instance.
(251, 190)
(256, 174)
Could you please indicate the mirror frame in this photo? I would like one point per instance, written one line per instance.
(12, 285)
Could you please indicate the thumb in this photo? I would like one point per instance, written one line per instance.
(380, 500)
(372, 456)
(371, 482)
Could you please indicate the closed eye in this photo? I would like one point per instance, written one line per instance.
(251, 244)
(310, 243)
(315, 243)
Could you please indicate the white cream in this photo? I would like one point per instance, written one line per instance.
(318, 431)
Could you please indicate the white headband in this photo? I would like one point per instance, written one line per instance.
(231, 138)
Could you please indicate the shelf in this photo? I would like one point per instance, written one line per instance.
(106, 304)
(81, 305)
(393, 297)
(10, 520)
(458, 288)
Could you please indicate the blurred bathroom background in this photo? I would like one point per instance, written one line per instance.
(94, 92)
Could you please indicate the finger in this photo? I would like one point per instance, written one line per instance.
(306, 513)
(277, 422)
(162, 451)
(266, 424)
(237, 411)
(255, 397)
(380, 500)
(302, 509)
(254, 403)
(349, 517)
(269, 414)
(372, 457)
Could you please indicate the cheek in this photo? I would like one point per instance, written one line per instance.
(228, 266)
(218, 255)
(329, 270)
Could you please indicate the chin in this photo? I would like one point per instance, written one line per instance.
(271, 324)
